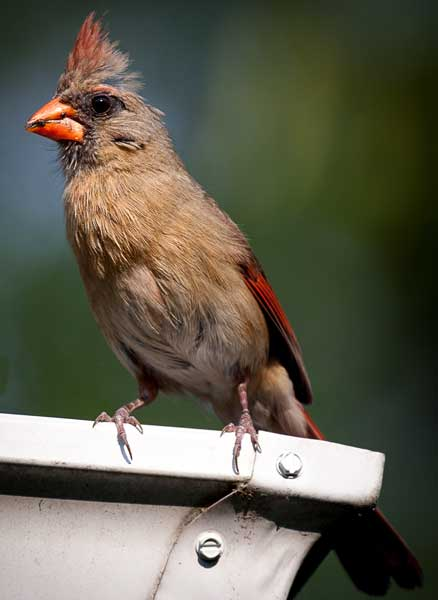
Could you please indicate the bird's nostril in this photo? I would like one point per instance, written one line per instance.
(33, 124)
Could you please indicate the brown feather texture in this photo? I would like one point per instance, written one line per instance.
(95, 59)
(174, 285)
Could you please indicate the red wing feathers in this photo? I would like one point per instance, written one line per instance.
(283, 342)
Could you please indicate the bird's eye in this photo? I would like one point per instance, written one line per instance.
(101, 104)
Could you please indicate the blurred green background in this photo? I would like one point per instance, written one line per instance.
(308, 122)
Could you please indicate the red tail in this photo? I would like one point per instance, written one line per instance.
(371, 550)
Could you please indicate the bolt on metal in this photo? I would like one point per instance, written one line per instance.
(210, 546)
(289, 465)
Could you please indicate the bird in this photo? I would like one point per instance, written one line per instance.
(173, 283)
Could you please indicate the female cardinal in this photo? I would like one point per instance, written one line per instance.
(174, 285)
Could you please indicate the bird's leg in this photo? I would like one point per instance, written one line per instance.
(245, 426)
(147, 392)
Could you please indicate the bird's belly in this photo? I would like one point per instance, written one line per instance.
(208, 365)
(179, 363)
(202, 348)
(196, 375)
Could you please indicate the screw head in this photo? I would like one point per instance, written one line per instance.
(210, 546)
(289, 465)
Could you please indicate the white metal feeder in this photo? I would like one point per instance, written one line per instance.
(79, 520)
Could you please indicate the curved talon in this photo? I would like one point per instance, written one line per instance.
(235, 465)
(245, 426)
(228, 428)
(120, 417)
(128, 448)
(103, 417)
(135, 423)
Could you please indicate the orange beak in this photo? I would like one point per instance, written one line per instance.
(55, 120)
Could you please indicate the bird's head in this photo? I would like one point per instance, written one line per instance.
(96, 115)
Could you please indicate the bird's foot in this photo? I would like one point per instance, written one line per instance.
(120, 417)
(245, 426)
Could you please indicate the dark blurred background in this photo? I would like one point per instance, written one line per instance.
(308, 122)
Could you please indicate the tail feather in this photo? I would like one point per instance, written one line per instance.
(370, 549)
(372, 553)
